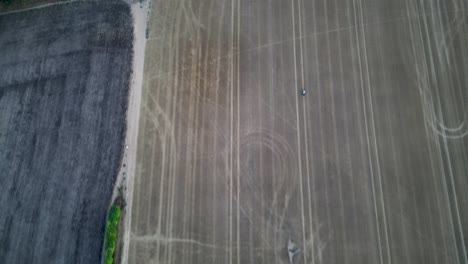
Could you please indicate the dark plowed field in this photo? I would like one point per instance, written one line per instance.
(64, 77)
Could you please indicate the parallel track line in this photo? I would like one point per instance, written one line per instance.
(369, 153)
(298, 132)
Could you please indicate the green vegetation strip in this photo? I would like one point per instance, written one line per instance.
(111, 234)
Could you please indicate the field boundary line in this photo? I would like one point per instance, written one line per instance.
(38, 7)
(135, 94)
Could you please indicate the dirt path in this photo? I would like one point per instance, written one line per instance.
(125, 177)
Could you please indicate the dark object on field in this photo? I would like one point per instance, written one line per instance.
(64, 78)
(293, 250)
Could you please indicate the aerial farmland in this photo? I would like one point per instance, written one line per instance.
(234, 131)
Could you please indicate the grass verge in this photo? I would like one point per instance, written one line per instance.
(111, 234)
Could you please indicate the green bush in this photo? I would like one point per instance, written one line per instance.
(111, 234)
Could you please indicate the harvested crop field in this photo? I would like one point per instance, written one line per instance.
(369, 167)
(64, 76)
